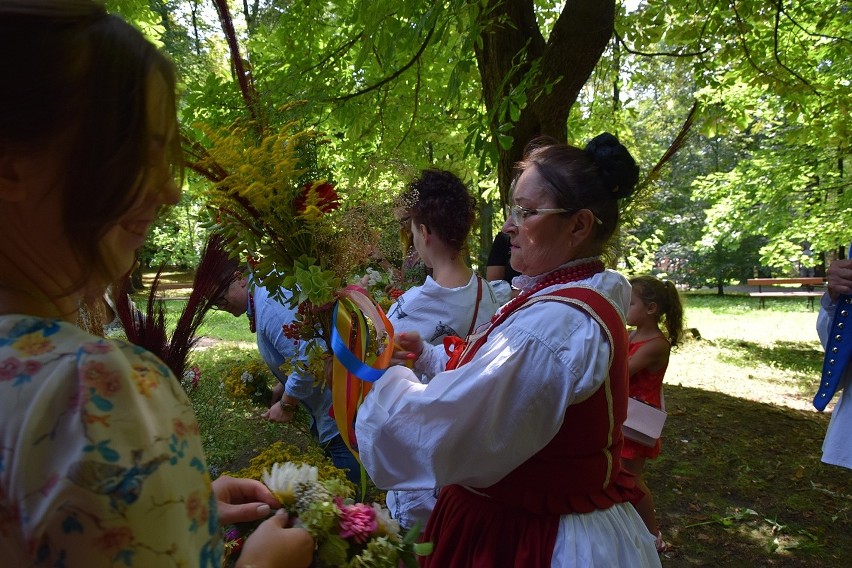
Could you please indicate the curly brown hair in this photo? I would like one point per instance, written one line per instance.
(441, 201)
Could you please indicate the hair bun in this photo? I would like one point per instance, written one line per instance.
(618, 168)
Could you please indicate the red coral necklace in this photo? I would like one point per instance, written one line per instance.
(562, 276)
(250, 312)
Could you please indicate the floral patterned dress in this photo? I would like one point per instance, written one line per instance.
(100, 459)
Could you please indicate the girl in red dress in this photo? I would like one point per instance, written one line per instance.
(653, 303)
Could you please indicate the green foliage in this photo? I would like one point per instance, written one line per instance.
(314, 284)
(398, 86)
(176, 239)
(770, 78)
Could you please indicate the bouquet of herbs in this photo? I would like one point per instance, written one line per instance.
(348, 534)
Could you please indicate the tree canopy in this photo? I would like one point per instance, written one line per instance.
(395, 86)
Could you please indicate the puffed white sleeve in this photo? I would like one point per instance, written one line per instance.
(475, 424)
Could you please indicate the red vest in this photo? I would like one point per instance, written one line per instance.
(578, 471)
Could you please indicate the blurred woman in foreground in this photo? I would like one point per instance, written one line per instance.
(101, 459)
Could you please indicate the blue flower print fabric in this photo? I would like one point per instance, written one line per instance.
(100, 458)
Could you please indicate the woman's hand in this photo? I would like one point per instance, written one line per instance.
(281, 413)
(407, 348)
(273, 545)
(839, 278)
(240, 500)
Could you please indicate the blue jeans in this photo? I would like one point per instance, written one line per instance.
(343, 459)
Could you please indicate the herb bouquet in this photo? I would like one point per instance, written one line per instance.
(347, 533)
(303, 241)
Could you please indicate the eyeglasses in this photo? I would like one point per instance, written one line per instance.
(221, 302)
(519, 214)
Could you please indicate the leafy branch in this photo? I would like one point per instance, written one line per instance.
(633, 51)
(775, 49)
(393, 75)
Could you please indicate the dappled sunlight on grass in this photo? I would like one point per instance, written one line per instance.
(762, 355)
(739, 483)
(232, 430)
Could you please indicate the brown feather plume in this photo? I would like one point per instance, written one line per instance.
(149, 330)
(676, 144)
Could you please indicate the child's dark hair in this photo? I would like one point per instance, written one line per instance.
(441, 201)
(651, 289)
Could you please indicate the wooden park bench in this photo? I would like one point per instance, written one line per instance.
(162, 287)
(809, 287)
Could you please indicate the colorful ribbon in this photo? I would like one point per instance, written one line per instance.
(352, 376)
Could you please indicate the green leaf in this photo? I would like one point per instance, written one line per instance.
(423, 548)
(333, 551)
(514, 112)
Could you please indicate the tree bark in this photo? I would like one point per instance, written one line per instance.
(567, 59)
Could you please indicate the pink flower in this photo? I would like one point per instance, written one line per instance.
(10, 368)
(98, 347)
(192, 376)
(31, 367)
(104, 380)
(196, 375)
(357, 521)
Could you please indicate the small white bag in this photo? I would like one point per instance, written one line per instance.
(644, 422)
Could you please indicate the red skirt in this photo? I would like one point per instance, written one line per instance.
(474, 531)
(632, 450)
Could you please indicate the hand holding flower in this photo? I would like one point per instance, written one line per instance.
(240, 500)
(274, 545)
(346, 533)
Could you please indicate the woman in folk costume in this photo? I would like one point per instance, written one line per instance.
(522, 432)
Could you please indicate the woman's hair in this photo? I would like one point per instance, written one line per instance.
(594, 178)
(439, 200)
(72, 72)
(651, 289)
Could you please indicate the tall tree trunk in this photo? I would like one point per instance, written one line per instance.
(513, 51)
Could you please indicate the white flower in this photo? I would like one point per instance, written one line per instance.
(245, 377)
(285, 478)
(373, 276)
(387, 525)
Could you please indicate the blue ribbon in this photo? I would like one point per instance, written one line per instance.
(347, 358)
(838, 351)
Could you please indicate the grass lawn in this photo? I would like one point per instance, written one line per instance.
(739, 481)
